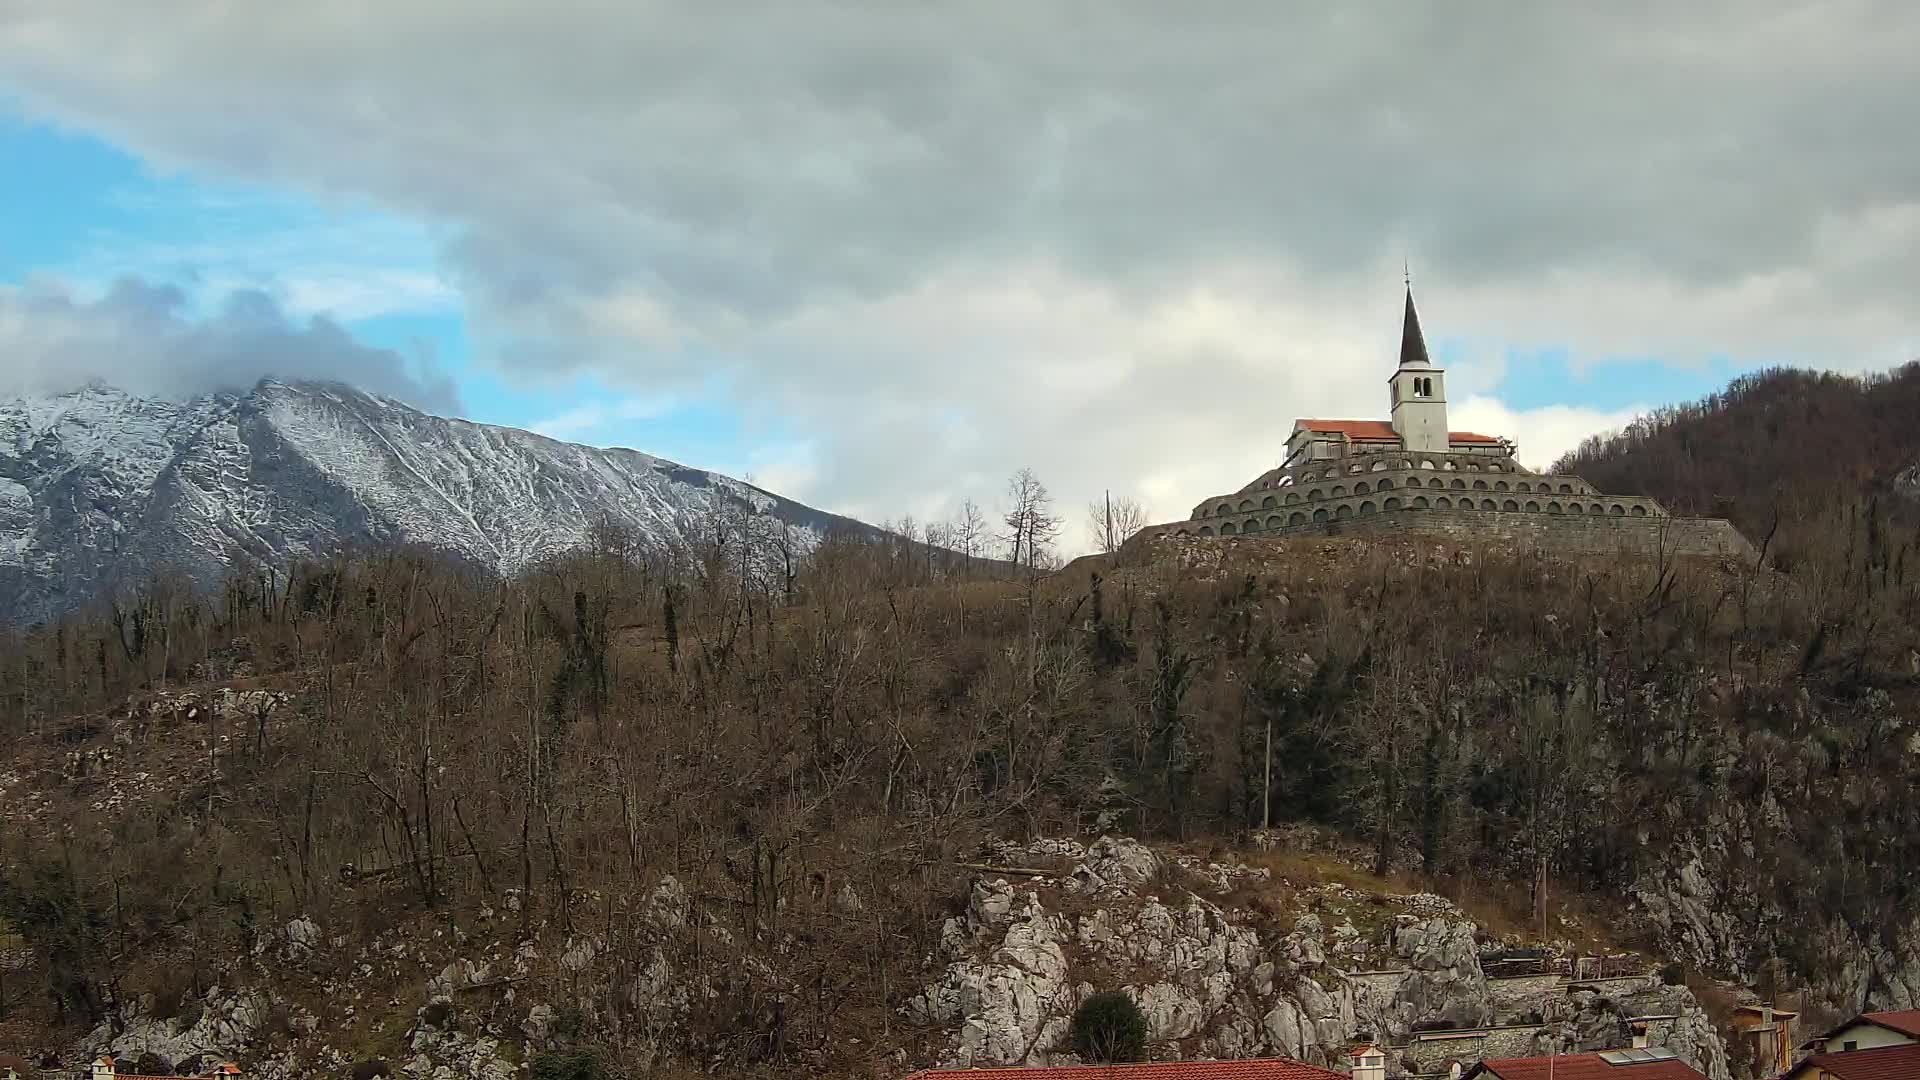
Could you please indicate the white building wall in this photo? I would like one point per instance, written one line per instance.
(1868, 1036)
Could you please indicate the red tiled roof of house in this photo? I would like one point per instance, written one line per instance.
(1248, 1069)
(1880, 1063)
(1904, 1021)
(1471, 436)
(1584, 1067)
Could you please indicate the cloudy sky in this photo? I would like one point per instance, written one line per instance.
(878, 255)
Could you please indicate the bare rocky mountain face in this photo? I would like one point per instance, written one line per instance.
(99, 488)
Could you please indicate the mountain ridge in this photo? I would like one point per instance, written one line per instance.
(99, 487)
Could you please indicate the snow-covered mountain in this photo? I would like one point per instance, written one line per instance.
(98, 487)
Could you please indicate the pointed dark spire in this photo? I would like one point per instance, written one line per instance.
(1413, 347)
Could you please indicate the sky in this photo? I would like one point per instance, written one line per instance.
(878, 256)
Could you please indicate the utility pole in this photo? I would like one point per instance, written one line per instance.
(1266, 794)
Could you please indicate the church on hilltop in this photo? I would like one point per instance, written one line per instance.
(1413, 474)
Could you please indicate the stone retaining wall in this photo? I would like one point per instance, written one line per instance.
(1589, 534)
(1592, 534)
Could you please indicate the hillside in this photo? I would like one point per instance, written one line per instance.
(1801, 448)
(99, 489)
(596, 783)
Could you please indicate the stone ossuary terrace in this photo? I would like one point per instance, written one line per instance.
(1411, 474)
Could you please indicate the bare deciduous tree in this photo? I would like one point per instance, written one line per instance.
(1113, 519)
(1032, 527)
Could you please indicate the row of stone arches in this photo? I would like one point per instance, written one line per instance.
(1350, 509)
(1385, 483)
(1383, 463)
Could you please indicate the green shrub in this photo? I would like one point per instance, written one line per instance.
(1108, 1027)
(370, 1069)
(568, 1065)
(1673, 974)
(568, 1022)
(438, 1014)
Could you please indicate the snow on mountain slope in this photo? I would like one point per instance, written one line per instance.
(98, 487)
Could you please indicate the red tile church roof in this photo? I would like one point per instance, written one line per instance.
(1251, 1069)
(1353, 429)
(1381, 431)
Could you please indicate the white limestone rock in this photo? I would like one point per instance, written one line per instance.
(228, 1022)
(1444, 980)
(1116, 865)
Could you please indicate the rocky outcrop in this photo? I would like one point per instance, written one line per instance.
(1715, 911)
(1211, 984)
(1444, 982)
(1011, 1000)
(220, 1024)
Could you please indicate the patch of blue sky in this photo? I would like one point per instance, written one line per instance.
(698, 426)
(1533, 377)
(85, 213)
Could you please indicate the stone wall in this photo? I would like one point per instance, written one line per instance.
(1587, 534)
(1591, 534)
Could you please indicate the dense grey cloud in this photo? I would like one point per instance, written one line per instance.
(141, 338)
(1123, 242)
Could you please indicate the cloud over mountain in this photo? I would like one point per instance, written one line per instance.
(142, 337)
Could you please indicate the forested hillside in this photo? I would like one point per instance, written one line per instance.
(1802, 448)
(1721, 755)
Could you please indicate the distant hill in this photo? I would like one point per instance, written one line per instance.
(99, 487)
(1788, 443)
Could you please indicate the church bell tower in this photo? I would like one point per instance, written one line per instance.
(1419, 391)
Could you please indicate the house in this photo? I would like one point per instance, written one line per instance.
(104, 1069)
(1636, 1064)
(1900, 1061)
(1767, 1034)
(1870, 1030)
(1245, 1069)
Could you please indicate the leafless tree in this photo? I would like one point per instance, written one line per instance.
(1113, 519)
(1031, 525)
